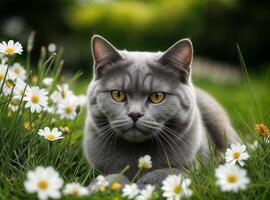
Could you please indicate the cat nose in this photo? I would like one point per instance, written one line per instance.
(135, 116)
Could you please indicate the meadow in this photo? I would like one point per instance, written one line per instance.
(25, 144)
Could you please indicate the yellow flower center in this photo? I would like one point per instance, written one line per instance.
(63, 94)
(27, 125)
(34, 79)
(1, 76)
(177, 189)
(51, 137)
(9, 50)
(21, 92)
(68, 109)
(14, 102)
(8, 84)
(17, 71)
(232, 178)
(101, 188)
(75, 192)
(43, 185)
(116, 186)
(236, 154)
(35, 99)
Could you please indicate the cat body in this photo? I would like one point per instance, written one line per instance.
(144, 103)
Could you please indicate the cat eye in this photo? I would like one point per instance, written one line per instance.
(156, 97)
(118, 96)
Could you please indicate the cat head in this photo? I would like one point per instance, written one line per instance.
(141, 94)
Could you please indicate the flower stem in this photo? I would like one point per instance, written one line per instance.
(136, 175)
(69, 138)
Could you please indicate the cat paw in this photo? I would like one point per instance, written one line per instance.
(156, 177)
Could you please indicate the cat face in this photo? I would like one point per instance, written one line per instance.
(139, 94)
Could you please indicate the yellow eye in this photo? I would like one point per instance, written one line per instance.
(118, 95)
(157, 97)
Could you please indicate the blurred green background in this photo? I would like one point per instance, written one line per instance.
(214, 26)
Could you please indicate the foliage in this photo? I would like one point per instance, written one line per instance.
(214, 26)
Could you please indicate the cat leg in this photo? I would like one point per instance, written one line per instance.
(156, 177)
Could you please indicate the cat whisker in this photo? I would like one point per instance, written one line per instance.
(169, 136)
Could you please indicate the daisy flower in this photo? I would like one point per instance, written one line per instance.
(100, 185)
(9, 85)
(62, 93)
(75, 189)
(81, 99)
(49, 134)
(231, 178)
(19, 89)
(36, 99)
(19, 71)
(52, 47)
(10, 48)
(237, 153)
(130, 191)
(67, 109)
(45, 182)
(14, 104)
(146, 193)
(50, 109)
(47, 81)
(145, 162)
(175, 187)
(3, 70)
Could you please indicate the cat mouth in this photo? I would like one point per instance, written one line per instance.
(136, 128)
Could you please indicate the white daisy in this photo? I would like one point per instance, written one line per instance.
(62, 93)
(231, 178)
(146, 193)
(75, 189)
(47, 81)
(9, 81)
(52, 47)
(67, 109)
(8, 87)
(36, 99)
(237, 153)
(10, 48)
(145, 162)
(50, 109)
(19, 71)
(14, 104)
(3, 70)
(45, 181)
(175, 187)
(49, 134)
(100, 185)
(19, 89)
(130, 191)
(81, 100)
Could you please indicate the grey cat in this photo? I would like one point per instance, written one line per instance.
(144, 103)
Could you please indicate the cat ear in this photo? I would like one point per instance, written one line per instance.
(179, 56)
(103, 53)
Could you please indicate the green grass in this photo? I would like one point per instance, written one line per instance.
(23, 150)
